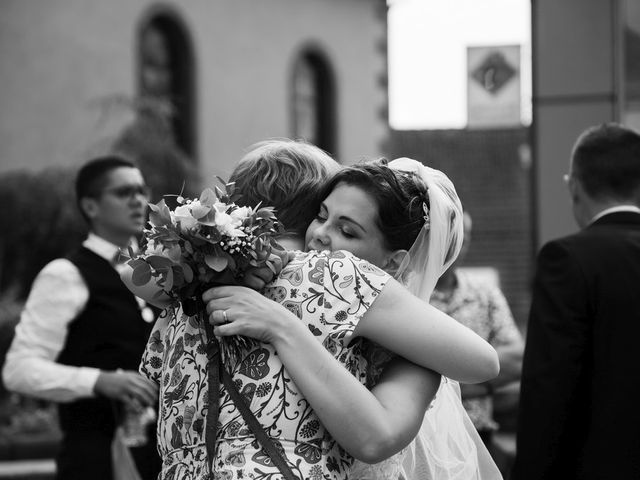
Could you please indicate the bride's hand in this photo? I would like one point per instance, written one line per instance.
(236, 310)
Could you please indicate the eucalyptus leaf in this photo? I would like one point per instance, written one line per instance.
(160, 214)
(158, 262)
(209, 219)
(141, 274)
(216, 263)
(159, 294)
(168, 281)
(232, 263)
(174, 253)
(178, 276)
(135, 262)
(188, 272)
(271, 267)
(265, 214)
(199, 211)
(208, 197)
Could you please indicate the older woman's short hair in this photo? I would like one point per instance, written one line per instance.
(287, 175)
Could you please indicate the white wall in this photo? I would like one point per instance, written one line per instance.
(59, 57)
(574, 65)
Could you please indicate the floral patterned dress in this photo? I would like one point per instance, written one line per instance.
(329, 291)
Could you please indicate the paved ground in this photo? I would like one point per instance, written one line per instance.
(27, 469)
(45, 469)
(504, 451)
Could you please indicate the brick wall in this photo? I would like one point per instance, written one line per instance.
(491, 171)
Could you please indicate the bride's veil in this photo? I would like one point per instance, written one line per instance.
(447, 446)
(440, 240)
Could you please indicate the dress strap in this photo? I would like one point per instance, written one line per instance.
(213, 374)
(217, 372)
(267, 443)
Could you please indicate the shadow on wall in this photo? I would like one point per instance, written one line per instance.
(150, 142)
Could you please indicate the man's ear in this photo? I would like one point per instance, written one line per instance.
(393, 261)
(576, 190)
(89, 206)
(571, 186)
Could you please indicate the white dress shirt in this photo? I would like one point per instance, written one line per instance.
(619, 208)
(57, 296)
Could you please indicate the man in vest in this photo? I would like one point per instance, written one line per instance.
(82, 332)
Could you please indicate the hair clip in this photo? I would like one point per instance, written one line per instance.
(426, 217)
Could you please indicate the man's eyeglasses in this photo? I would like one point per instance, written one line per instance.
(129, 191)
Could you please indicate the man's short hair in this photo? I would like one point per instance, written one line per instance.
(606, 161)
(287, 175)
(93, 176)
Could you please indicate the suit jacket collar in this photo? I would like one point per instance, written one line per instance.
(618, 218)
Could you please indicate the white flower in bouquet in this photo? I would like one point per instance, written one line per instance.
(153, 248)
(182, 214)
(229, 223)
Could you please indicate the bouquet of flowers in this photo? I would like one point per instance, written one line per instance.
(204, 242)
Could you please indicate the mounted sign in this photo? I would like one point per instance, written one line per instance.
(493, 86)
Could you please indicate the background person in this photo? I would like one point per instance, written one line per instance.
(579, 416)
(82, 333)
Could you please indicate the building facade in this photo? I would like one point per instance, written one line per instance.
(584, 73)
(235, 72)
(491, 172)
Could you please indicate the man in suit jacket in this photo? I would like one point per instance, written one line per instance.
(82, 332)
(579, 415)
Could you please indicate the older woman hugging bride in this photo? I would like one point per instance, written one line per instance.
(333, 309)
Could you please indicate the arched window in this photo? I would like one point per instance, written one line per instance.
(313, 100)
(166, 73)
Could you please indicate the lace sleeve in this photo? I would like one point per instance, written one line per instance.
(448, 446)
(388, 469)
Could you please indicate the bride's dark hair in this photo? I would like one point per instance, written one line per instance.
(399, 197)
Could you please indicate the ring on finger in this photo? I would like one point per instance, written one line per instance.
(224, 317)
